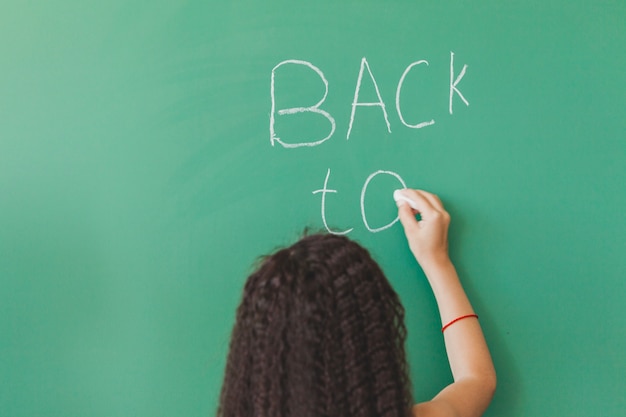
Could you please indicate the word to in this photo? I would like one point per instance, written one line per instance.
(325, 190)
(316, 108)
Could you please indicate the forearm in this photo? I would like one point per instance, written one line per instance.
(465, 344)
(449, 293)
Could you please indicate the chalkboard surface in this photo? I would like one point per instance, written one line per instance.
(150, 151)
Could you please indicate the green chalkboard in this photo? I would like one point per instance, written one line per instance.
(148, 156)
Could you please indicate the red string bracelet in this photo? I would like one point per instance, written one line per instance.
(457, 319)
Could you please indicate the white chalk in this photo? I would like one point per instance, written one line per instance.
(401, 199)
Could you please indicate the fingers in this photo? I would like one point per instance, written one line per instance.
(425, 203)
(428, 205)
(427, 238)
(433, 199)
(414, 198)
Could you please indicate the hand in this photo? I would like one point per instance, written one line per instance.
(428, 237)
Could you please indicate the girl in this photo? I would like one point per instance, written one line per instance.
(320, 332)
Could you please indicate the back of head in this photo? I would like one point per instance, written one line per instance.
(319, 332)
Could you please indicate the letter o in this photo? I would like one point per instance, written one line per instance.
(364, 190)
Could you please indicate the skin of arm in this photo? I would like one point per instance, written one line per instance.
(470, 361)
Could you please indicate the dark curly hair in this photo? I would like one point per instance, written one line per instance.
(319, 333)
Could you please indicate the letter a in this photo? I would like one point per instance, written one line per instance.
(355, 102)
(293, 110)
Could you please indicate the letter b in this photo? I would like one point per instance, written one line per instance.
(293, 110)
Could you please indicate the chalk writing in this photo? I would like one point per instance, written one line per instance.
(312, 109)
(326, 190)
(356, 102)
(364, 190)
(316, 109)
(453, 85)
(406, 71)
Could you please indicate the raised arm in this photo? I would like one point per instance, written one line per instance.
(472, 368)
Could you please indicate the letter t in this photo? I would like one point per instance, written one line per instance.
(324, 191)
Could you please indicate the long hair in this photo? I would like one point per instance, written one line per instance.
(319, 333)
